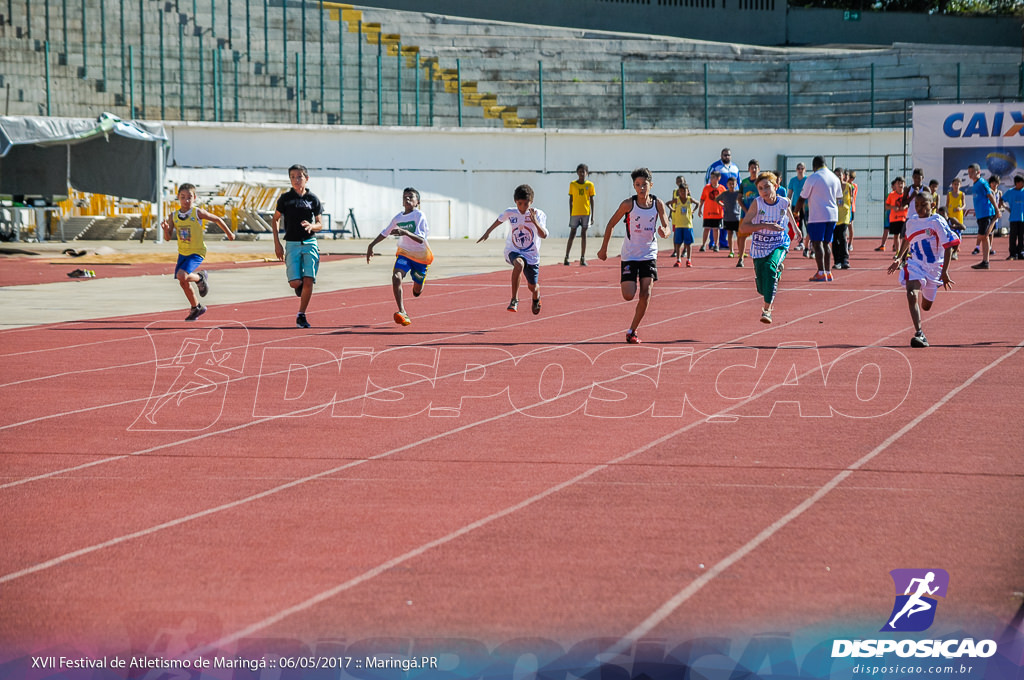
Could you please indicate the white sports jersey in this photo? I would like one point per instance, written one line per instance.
(641, 233)
(523, 234)
(417, 224)
(929, 237)
(822, 191)
(764, 241)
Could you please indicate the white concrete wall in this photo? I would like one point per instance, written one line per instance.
(470, 174)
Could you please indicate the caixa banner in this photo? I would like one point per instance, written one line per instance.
(949, 138)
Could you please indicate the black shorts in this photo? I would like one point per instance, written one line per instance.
(983, 225)
(731, 226)
(531, 271)
(712, 222)
(897, 228)
(634, 270)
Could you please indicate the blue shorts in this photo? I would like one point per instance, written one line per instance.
(188, 263)
(682, 236)
(417, 271)
(531, 271)
(302, 259)
(821, 231)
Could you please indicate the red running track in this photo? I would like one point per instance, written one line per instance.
(494, 476)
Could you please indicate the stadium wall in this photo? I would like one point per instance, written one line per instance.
(755, 22)
(466, 177)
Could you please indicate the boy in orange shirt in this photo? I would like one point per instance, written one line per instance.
(897, 215)
(712, 212)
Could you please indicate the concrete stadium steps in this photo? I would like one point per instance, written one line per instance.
(665, 77)
(76, 227)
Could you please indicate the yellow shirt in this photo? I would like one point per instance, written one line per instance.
(581, 194)
(845, 207)
(682, 212)
(189, 230)
(955, 205)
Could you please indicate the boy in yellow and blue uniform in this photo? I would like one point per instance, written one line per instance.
(186, 224)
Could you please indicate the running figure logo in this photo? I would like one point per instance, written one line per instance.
(192, 374)
(914, 609)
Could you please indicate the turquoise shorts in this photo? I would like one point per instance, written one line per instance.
(302, 259)
(417, 271)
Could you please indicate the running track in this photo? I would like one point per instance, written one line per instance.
(299, 499)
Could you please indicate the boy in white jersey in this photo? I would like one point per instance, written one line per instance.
(642, 211)
(923, 261)
(414, 256)
(767, 223)
(527, 225)
(186, 224)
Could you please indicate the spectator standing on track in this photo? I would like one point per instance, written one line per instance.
(681, 210)
(1013, 201)
(918, 261)
(186, 224)
(643, 211)
(840, 244)
(711, 212)
(896, 216)
(581, 211)
(767, 222)
(726, 169)
(986, 211)
(527, 225)
(732, 213)
(796, 185)
(301, 210)
(821, 194)
(414, 256)
(851, 179)
(955, 202)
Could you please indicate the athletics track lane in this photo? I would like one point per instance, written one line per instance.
(594, 558)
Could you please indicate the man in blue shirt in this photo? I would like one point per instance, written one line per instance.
(985, 210)
(726, 169)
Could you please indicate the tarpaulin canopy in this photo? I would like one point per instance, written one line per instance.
(42, 156)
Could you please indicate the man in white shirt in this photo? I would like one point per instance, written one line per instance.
(821, 194)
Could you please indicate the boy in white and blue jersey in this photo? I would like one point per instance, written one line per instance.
(766, 223)
(527, 225)
(923, 261)
(639, 254)
(414, 256)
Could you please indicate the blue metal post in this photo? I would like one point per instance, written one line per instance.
(958, 82)
(302, 39)
(103, 42)
(85, 44)
(707, 117)
(341, 70)
(121, 39)
(789, 95)
(47, 58)
(380, 80)
(399, 82)
(359, 76)
(872, 95)
(64, 21)
(622, 91)
(202, 94)
(458, 86)
(142, 56)
(181, 69)
(236, 57)
(417, 90)
(284, 43)
(323, 39)
(298, 100)
(266, 34)
(131, 81)
(540, 89)
(163, 91)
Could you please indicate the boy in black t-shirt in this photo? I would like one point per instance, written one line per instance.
(301, 210)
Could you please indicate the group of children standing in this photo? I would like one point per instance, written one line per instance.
(758, 211)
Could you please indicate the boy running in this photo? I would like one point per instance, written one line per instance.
(918, 261)
(414, 256)
(186, 223)
(639, 254)
(522, 246)
(301, 210)
(767, 222)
